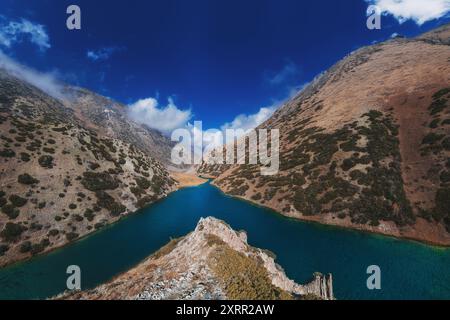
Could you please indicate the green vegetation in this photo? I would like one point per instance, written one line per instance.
(89, 215)
(7, 153)
(432, 138)
(3, 249)
(17, 201)
(99, 181)
(104, 200)
(72, 236)
(10, 211)
(25, 157)
(25, 247)
(39, 247)
(243, 277)
(12, 232)
(46, 161)
(27, 179)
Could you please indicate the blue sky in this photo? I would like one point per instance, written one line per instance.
(208, 60)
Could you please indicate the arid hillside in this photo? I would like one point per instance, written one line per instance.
(109, 118)
(366, 145)
(62, 177)
(212, 262)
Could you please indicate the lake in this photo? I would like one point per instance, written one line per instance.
(409, 270)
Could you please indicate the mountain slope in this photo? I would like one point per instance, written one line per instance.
(109, 118)
(366, 145)
(212, 262)
(61, 179)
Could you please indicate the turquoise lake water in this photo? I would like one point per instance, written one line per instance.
(409, 270)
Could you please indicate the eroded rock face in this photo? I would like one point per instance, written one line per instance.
(196, 267)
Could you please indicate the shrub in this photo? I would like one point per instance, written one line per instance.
(77, 217)
(48, 150)
(12, 232)
(439, 94)
(7, 153)
(143, 183)
(108, 202)
(53, 233)
(347, 164)
(10, 211)
(39, 247)
(25, 247)
(27, 179)
(243, 277)
(3, 249)
(95, 181)
(46, 161)
(94, 166)
(72, 206)
(445, 176)
(446, 143)
(17, 201)
(89, 215)
(432, 138)
(25, 157)
(71, 236)
(256, 196)
(435, 123)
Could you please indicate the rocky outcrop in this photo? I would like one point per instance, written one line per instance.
(212, 262)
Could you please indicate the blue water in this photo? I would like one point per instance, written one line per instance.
(409, 270)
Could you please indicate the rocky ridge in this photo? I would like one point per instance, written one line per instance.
(212, 262)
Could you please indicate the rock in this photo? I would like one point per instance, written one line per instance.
(186, 269)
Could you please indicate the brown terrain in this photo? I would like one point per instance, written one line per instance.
(212, 262)
(366, 145)
(187, 179)
(62, 176)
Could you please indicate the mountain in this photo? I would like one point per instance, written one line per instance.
(69, 167)
(212, 262)
(365, 145)
(109, 118)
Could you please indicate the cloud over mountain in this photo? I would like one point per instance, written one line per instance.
(419, 11)
(164, 119)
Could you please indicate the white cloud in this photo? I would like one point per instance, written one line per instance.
(165, 119)
(47, 82)
(248, 122)
(419, 11)
(286, 73)
(15, 31)
(102, 53)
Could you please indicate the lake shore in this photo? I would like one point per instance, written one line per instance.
(392, 231)
(187, 179)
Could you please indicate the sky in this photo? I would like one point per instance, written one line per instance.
(226, 63)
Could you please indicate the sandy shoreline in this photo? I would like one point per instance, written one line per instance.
(186, 179)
